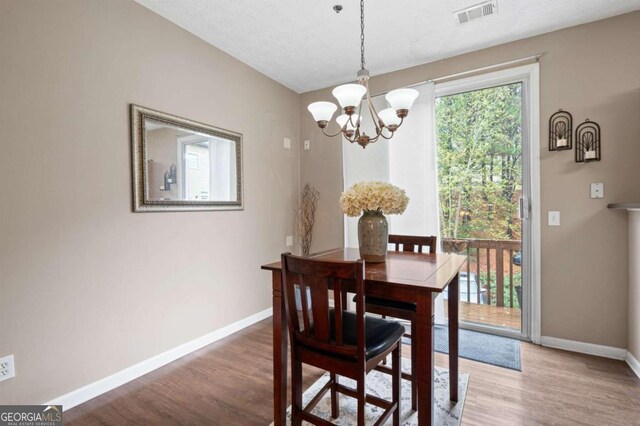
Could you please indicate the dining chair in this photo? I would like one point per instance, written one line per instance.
(403, 310)
(345, 343)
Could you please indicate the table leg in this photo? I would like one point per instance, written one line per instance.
(454, 295)
(279, 352)
(424, 370)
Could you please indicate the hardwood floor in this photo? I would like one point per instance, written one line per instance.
(230, 383)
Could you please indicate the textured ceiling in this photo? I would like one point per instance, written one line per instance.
(305, 45)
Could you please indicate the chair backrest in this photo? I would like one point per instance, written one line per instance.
(318, 278)
(411, 242)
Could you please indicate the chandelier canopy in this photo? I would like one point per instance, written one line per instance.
(356, 96)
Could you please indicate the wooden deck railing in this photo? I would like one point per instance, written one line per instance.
(486, 258)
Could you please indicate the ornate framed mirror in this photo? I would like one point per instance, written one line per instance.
(183, 165)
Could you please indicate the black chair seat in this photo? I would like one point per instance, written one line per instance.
(385, 303)
(380, 334)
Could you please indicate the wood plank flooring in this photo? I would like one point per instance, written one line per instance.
(230, 383)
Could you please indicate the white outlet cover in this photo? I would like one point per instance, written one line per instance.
(307, 145)
(7, 368)
(289, 241)
(287, 143)
(597, 190)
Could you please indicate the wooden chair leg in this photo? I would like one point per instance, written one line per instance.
(414, 368)
(396, 379)
(335, 403)
(296, 392)
(362, 392)
(384, 361)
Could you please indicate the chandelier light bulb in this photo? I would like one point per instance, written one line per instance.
(390, 118)
(322, 112)
(344, 119)
(401, 100)
(349, 95)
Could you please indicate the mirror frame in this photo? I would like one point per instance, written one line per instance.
(141, 201)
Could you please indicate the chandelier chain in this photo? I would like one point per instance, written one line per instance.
(361, 34)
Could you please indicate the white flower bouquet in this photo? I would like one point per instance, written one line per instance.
(374, 197)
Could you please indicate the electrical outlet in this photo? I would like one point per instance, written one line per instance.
(289, 241)
(307, 145)
(287, 143)
(597, 190)
(554, 218)
(7, 368)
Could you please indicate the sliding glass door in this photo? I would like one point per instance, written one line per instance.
(482, 128)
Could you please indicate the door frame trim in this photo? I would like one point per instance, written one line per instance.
(530, 76)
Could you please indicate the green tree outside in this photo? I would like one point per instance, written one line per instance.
(479, 137)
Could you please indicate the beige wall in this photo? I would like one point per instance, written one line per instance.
(88, 287)
(592, 71)
(634, 284)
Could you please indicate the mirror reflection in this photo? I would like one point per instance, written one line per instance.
(184, 165)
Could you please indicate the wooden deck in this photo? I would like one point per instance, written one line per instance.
(490, 315)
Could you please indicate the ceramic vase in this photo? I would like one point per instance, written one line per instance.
(373, 234)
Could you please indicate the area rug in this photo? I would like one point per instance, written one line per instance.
(482, 347)
(379, 384)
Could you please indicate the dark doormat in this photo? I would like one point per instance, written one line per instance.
(482, 347)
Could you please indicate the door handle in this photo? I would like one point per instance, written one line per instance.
(524, 208)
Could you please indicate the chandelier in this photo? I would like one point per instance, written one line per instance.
(356, 96)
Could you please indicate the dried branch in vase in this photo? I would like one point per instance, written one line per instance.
(306, 213)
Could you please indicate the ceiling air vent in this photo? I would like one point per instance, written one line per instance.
(477, 11)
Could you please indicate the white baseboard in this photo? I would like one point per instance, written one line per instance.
(584, 348)
(106, 384)
(634, 364)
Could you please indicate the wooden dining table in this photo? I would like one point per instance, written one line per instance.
(405, 277)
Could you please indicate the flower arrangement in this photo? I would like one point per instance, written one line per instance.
(373, 196)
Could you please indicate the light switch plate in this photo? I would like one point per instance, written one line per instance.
(554, 218)
(307, 145)
(597, 190)
(289, 241)
(287, 143)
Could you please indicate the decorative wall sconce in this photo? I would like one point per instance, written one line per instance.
(587, 142)
(167, 182)
(560, 130)
(170, 177)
